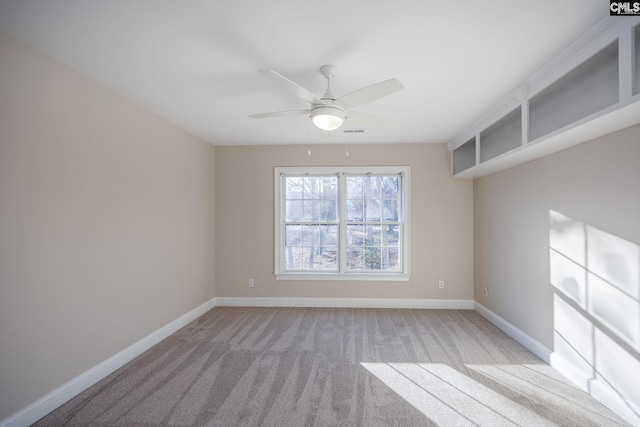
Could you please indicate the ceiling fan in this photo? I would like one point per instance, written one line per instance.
(329, 112)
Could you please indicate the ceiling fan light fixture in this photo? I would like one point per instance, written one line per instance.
(327, 118)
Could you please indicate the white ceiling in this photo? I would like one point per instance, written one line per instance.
(195, 62)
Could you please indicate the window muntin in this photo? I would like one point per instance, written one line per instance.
(342, 223)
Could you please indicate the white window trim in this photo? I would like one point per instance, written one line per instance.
(404, 275)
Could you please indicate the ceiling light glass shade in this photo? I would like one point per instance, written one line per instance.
(327, 118)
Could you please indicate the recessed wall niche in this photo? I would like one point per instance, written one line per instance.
(464, 157)
(502, 136)
(587, 89)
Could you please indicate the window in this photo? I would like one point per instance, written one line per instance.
(343, 223)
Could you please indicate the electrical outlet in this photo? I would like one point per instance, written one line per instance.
(486, 291)
(251, 283)
(441, 284)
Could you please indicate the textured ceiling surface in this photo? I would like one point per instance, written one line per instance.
(195, 63)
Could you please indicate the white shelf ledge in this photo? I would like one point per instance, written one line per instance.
(590, 89)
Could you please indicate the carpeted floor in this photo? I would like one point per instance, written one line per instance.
(334, 367)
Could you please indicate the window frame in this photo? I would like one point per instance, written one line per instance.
(342, 172)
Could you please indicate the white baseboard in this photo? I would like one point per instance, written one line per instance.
(531, 344)
(48, 403)
(612, 400)
(51, 401)
(584, 380)
(597, 388)
(345, 303)
(571, 371)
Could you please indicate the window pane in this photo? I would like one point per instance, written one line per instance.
(390, 259)
(322, 258)
(390, 211)
(373, 210)
(293, 210)
(373, 198)
(355, 260)
(373, 247)
(310, 188)
(293, 235)
(294, 188)
(366, 258)
(328, 235)
(354, 187)
(372, 187)
(391, 235)
(390, 187)
(312, 258)
(310, 210)
(310, 235)
(311, 199)
(293, 258)
(319, 235)
(355, 209)
(329, 188)
(373, 236)
(355, 235)
(311, 247)
(328, 210)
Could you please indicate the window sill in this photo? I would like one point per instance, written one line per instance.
(362, 277)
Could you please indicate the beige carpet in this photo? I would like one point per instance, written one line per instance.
(334, 367)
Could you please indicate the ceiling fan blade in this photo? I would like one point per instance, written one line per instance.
(370, 119)
(279, 113)
(370, 93)
(291, 87)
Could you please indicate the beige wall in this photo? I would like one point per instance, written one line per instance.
(596, 183)
(106, 224)
(441, 240)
